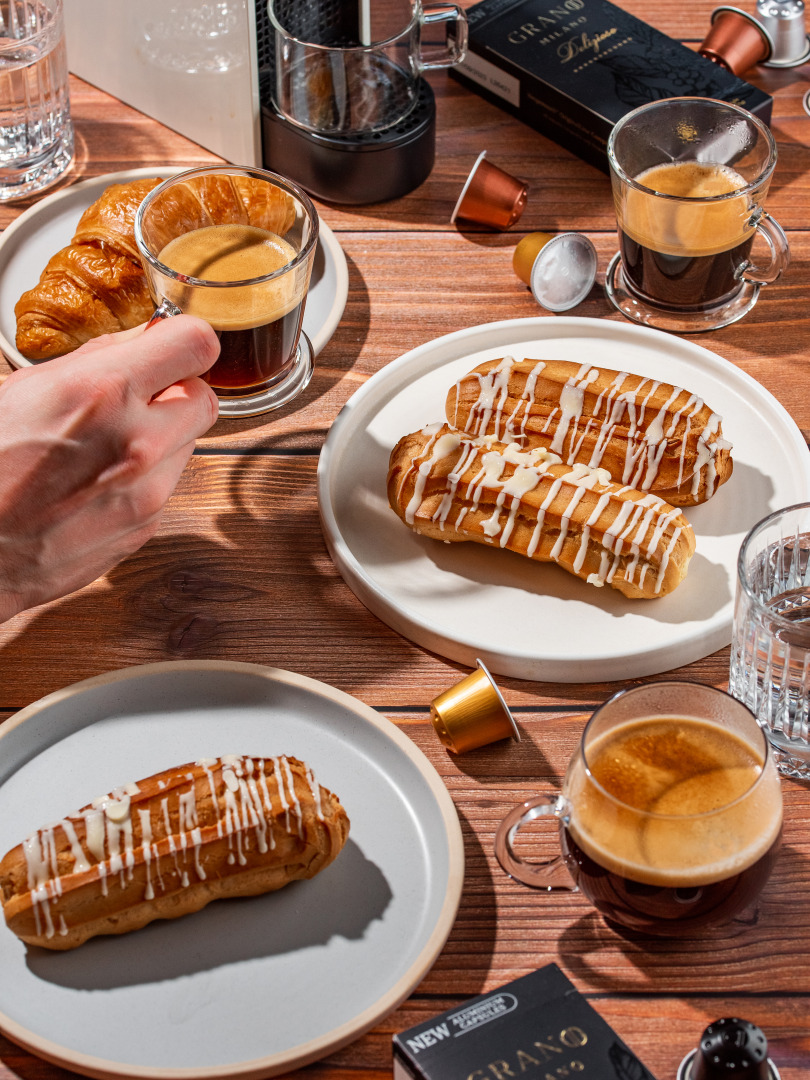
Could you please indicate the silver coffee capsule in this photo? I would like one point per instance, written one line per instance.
(784, 20)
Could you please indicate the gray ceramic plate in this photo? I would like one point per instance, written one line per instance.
(249, 987)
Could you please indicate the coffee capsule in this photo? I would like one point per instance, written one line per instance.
(472, 713)
(730, 1048)
(784, 21)
(736, 41)
(490, 196)
(526, 252)
(560, 270)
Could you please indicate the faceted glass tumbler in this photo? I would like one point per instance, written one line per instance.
(770, 650)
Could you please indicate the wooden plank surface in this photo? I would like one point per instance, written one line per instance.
(239, 570)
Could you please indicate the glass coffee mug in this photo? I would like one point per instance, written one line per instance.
(235, 246)
(670, 814)
(690, 176)
(354, 69)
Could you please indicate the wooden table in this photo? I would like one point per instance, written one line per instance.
(239, 570)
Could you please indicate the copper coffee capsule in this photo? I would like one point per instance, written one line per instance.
(490, 196)
(736, 41)
(472, 713)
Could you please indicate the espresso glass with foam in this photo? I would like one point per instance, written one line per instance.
(670, 814)
(690, 177)
(235, 246)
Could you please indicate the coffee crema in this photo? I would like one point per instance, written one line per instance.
(677, 801)
(232, 253)
(258, 323)
(688, 228)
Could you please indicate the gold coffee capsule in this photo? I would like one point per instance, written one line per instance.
(472, 713)
(490, 196)
(526, 252)
(560, 270)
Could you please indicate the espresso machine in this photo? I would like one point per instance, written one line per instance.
(362, 163)
(210, 72)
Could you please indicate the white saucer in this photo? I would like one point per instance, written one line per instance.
(38, 233)
(531, 620)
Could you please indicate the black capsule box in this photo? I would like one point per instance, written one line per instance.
(538, 1027)
(571, 69)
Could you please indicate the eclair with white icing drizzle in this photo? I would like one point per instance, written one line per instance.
(168, 845)
(449, 486)
(647, 434)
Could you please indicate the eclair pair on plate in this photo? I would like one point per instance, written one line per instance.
(582, 466)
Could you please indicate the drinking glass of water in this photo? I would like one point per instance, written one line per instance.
(36, 133)
(770, 650)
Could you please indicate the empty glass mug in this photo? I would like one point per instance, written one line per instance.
(354, 68)
(235, 246)
(690, 177)
(670, 813)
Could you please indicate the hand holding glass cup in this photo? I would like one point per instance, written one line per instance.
(670, 813)
(241, 259)
(690, 177)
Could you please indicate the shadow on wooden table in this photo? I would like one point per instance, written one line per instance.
(773, 936)
(471, 945)
(239, 570)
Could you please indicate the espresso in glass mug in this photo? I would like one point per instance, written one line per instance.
(235, 247)
(690, 177)
(670, 814)
(257, 327)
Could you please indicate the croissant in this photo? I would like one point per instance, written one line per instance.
(454, 487)
(96, 285)
(647, 434)
(168, 845)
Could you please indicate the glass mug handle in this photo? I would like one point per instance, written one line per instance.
(164, 311)
(456, 45)
(776, 240)
(548, 875)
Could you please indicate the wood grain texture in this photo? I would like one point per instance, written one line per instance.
(239, 570)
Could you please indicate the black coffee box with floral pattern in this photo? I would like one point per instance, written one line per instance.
(538, 1027)
(572, 68)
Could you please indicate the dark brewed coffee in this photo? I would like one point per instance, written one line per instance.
(254, 356)
(686, 252)
(662, 909)
(677, 832)
(257, 322)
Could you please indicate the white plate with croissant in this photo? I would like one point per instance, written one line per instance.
(336, 805)
(589, 463)
(48, 227)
